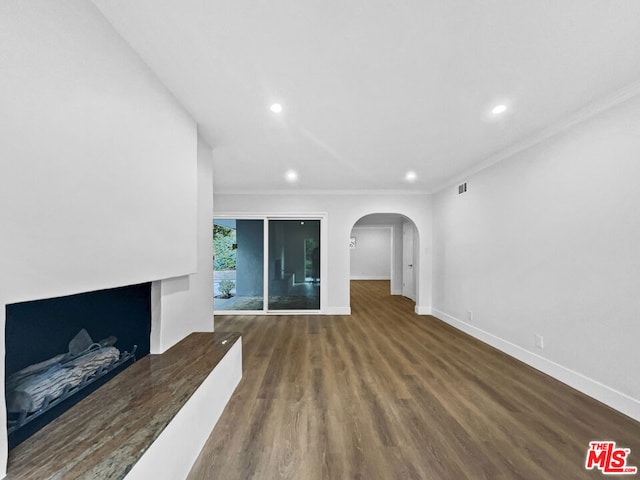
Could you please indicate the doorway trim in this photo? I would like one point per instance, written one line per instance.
(408, 270)
(418, 259)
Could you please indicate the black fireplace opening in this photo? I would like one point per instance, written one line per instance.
(76, 344)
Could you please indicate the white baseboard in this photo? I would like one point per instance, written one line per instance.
(337, 311)
(177, 447)
(603, 393)
(422, 310)
(368, 277)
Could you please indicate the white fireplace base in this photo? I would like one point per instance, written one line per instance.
(173, 453)
(149, 421)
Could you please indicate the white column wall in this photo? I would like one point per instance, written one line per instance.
(98, 178)
(185, 304)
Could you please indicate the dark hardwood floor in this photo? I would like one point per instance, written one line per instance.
(386, 394)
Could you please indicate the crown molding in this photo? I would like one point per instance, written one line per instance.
(579, 116)
(319, 192)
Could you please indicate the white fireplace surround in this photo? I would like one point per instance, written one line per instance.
(215, 391)
(105, 177)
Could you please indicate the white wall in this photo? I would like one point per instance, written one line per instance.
(185, 304)
(371, 259)
(98, 172)
(99, 161)
(395, 222)
(397, 263)
(547, 242)
(343, 210)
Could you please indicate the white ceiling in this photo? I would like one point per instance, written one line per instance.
(373, 88)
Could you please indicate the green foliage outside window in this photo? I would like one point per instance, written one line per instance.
(225, 288)
(224, 241)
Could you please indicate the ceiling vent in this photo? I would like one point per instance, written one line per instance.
(462, 188)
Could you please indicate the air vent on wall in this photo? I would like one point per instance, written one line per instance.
(462, 188)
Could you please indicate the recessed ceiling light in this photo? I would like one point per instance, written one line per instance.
(276, 108)
(291, 176)
(410, 176)
(498, 109)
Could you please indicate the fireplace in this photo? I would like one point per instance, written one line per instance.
(54, 335)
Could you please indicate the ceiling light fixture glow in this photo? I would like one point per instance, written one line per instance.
(276, 108)
(411, 176)
(498, 109)
(291, 176)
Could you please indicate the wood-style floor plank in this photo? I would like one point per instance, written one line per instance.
(386, 394)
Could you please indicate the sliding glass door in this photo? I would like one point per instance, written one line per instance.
(276, 259)
(294, 265)
(238, 266)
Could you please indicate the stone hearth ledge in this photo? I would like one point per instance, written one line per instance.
(150, 421)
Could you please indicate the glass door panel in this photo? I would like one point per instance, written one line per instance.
(294, 265)
(238, 276)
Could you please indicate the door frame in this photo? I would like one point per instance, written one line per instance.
(265, 217)
(409, 271)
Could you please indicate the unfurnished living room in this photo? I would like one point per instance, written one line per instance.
(320, 240)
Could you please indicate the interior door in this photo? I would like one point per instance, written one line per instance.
(408, 272)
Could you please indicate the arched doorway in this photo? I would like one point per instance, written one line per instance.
(384, 246)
